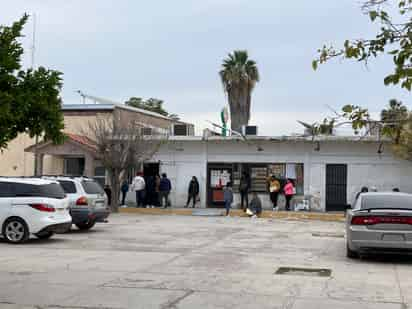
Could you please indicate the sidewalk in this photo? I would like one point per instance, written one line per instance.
(301, 215)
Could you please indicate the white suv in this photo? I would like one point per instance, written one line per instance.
(32, 206)
(87, 200)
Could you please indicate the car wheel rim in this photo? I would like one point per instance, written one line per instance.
(14, 231)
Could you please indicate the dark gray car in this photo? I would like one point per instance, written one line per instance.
(380, 222)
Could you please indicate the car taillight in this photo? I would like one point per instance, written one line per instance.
(43, 207)
(371, 220)
(81, 201)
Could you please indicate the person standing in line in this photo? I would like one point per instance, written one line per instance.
(193, 191)
(124, 188)
(108, 192)
(396, 190)
(363, 190)
(228, 197)
(139, 186)
(150, 192)
(274, 188)
(156, 195)
(244, 187)
(164, 189)
(289, 191)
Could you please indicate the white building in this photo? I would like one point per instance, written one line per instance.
(329, 172)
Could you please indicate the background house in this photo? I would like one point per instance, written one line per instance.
(77, 156)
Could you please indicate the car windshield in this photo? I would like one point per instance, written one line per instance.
(52, 190)
(386, 201)
(92, 187)
(68, 186)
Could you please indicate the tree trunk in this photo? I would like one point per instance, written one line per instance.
(115, 187)
(239, 113)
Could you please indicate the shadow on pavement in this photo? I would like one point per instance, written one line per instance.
(403, 259)
(34, 240)
(74, 231)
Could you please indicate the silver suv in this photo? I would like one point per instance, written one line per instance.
(87, 200)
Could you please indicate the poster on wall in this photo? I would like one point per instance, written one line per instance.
(219, 178)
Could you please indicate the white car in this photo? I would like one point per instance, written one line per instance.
(87, 201)
(32, 206)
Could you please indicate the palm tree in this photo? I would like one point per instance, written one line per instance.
(394, 119)
(239, 76)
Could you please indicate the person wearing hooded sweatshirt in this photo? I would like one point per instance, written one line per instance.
(193, 191)
(124, 188)
(228, 197)
(165, 187)
(139, 186)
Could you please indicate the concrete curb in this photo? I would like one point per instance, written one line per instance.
(290, 215)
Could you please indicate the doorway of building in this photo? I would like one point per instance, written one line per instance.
(336, 187)
(151, 169)
(217, 177)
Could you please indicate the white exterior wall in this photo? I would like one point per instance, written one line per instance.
(183, 159)
(181, 162)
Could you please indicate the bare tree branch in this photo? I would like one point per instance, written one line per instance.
(122, 146)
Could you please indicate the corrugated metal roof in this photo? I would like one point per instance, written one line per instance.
(82, 107)
(108, 106)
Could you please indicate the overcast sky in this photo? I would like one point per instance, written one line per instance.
(173, 50)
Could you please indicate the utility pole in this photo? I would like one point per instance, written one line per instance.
(33, 51)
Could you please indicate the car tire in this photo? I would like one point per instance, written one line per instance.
(45, 235)
(86, 225)
(15, 231)
(351, 254)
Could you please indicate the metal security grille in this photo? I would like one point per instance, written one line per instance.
(336, 187)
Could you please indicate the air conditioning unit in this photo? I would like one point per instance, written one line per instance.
(182, 129)
(250, 130)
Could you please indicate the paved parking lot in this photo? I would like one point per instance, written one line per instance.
(184, 262)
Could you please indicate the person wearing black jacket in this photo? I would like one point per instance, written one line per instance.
(193, 191)
(244, 187)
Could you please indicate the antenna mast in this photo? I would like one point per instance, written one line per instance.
(33, 47)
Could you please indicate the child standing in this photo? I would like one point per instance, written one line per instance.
(228, 197)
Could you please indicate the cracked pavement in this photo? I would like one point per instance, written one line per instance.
(181, 262)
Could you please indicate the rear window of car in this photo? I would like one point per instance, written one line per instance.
(68, 186)
(6, 189)
(53, 190)
(386, 201)
(91, 187)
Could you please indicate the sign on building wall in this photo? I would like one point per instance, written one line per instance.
(219, 178)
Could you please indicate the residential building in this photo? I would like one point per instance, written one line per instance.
(77, 156)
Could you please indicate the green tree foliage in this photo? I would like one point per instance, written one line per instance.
(152, 105)
(394, 118)
(394, 39)
(404, 147)
(29, 99)
(239, 76)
